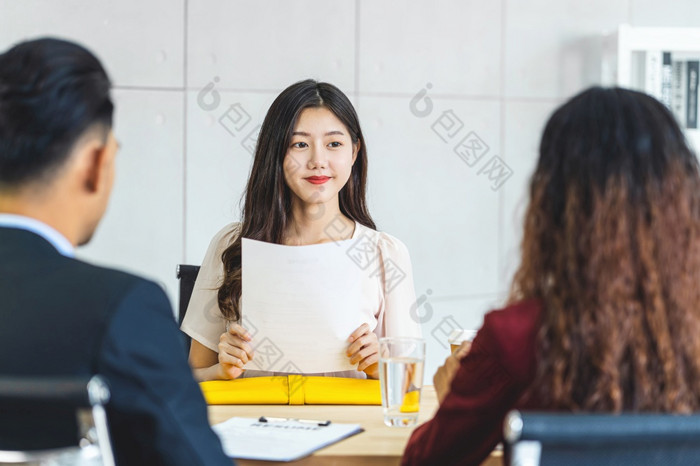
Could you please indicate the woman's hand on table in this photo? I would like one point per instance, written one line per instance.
(446, 373)
(235, 351)
(364, 351)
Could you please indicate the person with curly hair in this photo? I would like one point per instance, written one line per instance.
(604, 309)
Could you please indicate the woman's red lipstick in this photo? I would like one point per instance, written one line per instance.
(317, 179)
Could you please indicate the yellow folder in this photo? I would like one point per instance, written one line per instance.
(293, 390)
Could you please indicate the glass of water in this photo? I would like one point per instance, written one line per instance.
(401, 363)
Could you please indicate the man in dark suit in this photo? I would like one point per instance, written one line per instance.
(59, 315)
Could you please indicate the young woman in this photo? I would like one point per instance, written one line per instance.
(307, 186)
(604, 313)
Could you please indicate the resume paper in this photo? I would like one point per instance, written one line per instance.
(300, 305)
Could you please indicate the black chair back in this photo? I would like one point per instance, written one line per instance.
(187, 275)
(542, 439)
(53, 419)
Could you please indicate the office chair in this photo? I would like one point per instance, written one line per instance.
(544, 439)
(187, 275)
(54, 421)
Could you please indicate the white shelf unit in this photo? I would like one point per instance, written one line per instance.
(619, 50)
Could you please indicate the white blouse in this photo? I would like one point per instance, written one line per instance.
(387, 290)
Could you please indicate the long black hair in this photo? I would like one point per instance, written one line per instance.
(267, 207)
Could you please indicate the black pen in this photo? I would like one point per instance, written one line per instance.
(303, 421)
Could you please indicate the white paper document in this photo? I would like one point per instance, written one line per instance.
(300, 304)
(289, 440)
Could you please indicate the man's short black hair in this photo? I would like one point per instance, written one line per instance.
(51, 92)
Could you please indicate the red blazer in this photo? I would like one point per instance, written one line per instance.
(490, 382)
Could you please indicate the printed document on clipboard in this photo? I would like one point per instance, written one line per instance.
(274, 439)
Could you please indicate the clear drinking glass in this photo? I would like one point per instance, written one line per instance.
(401, 362)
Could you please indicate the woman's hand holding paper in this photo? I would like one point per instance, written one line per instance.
(364, 351)
(234, 351)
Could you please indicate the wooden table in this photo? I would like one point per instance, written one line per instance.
(377, 445)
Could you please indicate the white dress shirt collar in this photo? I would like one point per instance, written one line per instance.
(56, 239)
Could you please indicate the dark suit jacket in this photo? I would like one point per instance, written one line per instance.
(61, 316)
(491, 381)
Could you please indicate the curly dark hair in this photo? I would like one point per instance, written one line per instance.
(611, 248)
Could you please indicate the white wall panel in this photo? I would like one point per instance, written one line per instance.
(269, 45)
(219, 158)
(142, 231)
(524, 123)
(140, 43)
(553, 47)
(422, 192)
(684, 13)
(453, 44)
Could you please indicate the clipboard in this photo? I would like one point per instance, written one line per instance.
(279, 439)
